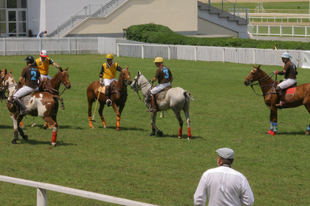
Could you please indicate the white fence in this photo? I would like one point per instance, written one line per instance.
(42, 189)
(279, 30)
(101, 45)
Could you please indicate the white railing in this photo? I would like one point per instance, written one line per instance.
(279, 30)
(279, 18)
(42, 189)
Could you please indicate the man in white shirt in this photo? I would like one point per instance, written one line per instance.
(223, 185)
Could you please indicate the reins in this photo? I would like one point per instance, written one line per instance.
(262, 80)
(139, 87)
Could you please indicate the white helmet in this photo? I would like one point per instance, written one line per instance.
(286, 55)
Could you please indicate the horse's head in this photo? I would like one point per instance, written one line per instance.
(135, 84)
(125, 76)
(253, 76)
(64, 78)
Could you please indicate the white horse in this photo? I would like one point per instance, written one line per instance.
(176, 99)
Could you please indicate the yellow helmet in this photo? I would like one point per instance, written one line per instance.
(159, 60)
(109, 56)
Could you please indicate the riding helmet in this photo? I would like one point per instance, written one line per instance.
(29, 59)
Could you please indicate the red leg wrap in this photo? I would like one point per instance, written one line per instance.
(103, 121)
(189, 132)
(54, 137)
(180, 131)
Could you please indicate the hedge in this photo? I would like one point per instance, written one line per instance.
(154, 33)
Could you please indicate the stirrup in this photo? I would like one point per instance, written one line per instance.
(281, 104)
(108, 102)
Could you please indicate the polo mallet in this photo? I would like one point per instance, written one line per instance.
(93, 119)
(275, 48)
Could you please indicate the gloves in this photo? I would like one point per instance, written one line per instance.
(276, 72)
(151, 81)
(60, 68)
(101, 82)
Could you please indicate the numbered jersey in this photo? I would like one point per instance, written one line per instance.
(163, 74)
(31, 75)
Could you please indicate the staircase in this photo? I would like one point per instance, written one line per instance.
(229, 16)
(89, 10)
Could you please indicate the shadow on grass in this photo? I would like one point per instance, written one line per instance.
(6, 127)
(124, 128)
(48, 143)
(176, 136)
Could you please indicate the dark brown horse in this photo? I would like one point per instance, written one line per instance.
(41, 104)
(118, 97)
(294, 97)
(55, 82)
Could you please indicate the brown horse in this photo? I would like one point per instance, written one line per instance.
(55, 82)
(294, 97)
(41, 104)
(118, 97)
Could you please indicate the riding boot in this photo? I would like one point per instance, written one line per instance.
(20, 104)
(108, 96)
(153, 105)
(280, 97)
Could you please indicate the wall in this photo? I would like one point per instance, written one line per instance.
(206, 27)
(182, 20)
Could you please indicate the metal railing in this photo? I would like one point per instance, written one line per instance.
(231, 8)
(89, 10)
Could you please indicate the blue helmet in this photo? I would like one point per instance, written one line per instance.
(286, 55)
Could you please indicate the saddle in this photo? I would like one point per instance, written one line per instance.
(290, 89)
(26, 99)
(162, 94)
(102, 89)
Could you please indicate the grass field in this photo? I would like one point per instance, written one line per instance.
(158, 170)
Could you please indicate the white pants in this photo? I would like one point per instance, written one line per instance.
(159, 87)
(24, 91)
(287, 83)
(107, 82)
(44, 76)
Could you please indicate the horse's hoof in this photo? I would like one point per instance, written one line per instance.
(153, 133)
(104, 126)
(307, 132)
(270, 131)
(118, 129)
(160, 133)
(179, 137)
(53, 144)
(188, 138)
(25, 137)
(14, 141)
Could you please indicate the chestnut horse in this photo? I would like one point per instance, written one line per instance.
(55, 82)
(118, 97)
(41, 104)
(176, 99)
(301, 96)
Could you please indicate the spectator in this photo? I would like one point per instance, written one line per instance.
(223, 185)
(41, 33)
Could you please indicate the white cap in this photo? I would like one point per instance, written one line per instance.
(43, 53)
(226, 153)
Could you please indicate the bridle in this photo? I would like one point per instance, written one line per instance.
(136, 88)
(125, 81)
(261, 80)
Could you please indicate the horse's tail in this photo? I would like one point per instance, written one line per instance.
(188, 98)
(57, 98)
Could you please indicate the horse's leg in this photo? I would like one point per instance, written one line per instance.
(308, 128)
(101, 115)
(90, 103)
(21, 124)
(46, 125)
(178, 116)
(273, 128)
(154, 127)
(118, 117)
(186, 113)
(16, 127)
(52, 121)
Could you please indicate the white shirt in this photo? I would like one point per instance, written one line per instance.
(223, 186)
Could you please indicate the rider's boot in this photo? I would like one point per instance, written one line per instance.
(280, 97)
(153, 105)
(20, 104)
(108, 96)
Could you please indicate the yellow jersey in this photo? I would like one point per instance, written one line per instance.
(109, 73)
(43, 66)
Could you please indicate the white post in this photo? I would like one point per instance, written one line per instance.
(280, 30)
(195, 53)
(41, 197)
(293, 31)
(306, 31)
(117, 50)
(268, 30)
(223, 55)
(4, 49)
(254, 56)
(69, 46)
(142, 51)
(168, 52)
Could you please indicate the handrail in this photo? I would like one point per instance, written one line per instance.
(89, 10)
(43, 187)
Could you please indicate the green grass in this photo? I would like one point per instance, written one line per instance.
(158, 170)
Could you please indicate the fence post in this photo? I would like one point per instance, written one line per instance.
(117, 50)
(195, 53)
(268, 30)
(69, 46)
(142, 51)
(223, 55)
(41, 197)
(293, 31)
(254, 56)
(256, 30)
(4, 51)
(169, 52)
(280, 30)
(306, 31)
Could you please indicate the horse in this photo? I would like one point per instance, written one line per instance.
(176, 99)
(61, 77)
(118, 97)
(41, 104)
(294, 96)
